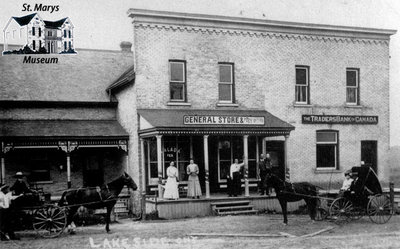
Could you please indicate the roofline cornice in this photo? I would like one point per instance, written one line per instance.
(214, 22)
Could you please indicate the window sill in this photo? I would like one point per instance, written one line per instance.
(227, 105)
(303, 105)
(179, 104)
(327, 171)
(43, 182)
(353, 106)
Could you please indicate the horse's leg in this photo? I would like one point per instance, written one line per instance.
(312, 207)
(70, 217)
(109, 209)
(284, 209)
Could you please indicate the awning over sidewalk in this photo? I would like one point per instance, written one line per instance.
(181, 122)
(57, 129)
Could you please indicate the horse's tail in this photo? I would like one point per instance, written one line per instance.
(63, 201)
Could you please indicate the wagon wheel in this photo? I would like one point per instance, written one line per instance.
(341, 209)
(49, 221)
(379, 209)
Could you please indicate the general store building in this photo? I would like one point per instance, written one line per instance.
(215, 88)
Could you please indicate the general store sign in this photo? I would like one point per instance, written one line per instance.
(222, 120)
(338, 119)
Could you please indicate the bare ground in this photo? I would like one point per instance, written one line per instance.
(178, 234)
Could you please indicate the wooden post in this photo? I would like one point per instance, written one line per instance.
(246, 165)
(206, 166)
(159, 165)
(391, 189)
(3, 168)
(287, 169)
(142, 173)
(69, 184)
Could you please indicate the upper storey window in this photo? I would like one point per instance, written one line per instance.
(302, 85)
(177, 80)
(226, 83)
(352, 86)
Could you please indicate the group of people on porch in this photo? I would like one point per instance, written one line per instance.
(234, 177)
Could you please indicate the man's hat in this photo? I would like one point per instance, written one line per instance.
(19, 174)
(3, 186)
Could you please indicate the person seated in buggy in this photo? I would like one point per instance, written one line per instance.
(365, 184)
(345, 189)
(26, 196)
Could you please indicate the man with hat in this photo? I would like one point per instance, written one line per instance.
(6, 228)
(20, 187)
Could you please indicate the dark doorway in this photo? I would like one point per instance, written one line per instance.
(276, 150)
(93, 174)
(369, 154)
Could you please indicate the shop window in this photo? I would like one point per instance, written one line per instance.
(302, 85)
(226, 83)
(177, 150)
(327, 149)
(177, 80)
(352, 86)
(40, 171)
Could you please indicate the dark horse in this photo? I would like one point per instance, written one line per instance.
(291, 192)
(96, 197)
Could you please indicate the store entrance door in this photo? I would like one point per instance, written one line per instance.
(369, 154)
(276, 150)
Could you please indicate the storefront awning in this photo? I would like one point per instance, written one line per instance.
(191, 122)
(61, 129)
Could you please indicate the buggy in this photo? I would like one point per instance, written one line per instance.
(364, 198)
(34, 210)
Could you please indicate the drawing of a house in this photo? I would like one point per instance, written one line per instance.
(36, 33)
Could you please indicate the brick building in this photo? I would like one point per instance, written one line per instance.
(57, 124)
(316, 97)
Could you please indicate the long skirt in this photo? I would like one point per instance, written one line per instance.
(171, 189)
(194, 188)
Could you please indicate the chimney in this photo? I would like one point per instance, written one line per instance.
(126, 46)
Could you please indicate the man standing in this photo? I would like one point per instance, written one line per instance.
(268, 166)
(234, 181)
(6, 228)
(262, 172)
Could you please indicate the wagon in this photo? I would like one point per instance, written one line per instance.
(364, 198)
(35, 211)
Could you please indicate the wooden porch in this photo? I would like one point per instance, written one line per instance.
(189, 208)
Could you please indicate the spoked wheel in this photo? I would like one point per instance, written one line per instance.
(49, 221)
(341, 209)
(379, 209)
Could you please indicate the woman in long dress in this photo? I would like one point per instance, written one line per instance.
(194, 189)
(171, 187)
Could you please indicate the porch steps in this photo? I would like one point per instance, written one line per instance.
(233, 208)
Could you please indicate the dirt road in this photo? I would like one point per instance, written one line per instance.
(179, 234)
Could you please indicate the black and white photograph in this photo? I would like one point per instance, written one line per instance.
(133, 124)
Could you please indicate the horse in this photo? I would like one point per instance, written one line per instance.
(291, 192)
(96, 197)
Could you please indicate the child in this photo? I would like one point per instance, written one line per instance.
(346, 183)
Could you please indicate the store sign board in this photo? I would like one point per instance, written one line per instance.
(222, 120)
(338, 119)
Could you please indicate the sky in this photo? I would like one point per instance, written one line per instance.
(103, 24)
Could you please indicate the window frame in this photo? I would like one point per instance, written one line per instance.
(184, 82)
(336, 144)
(232, 83)
(357, 87)
(307, 86)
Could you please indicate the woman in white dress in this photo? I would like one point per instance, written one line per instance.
(171, 187)
(194, 189)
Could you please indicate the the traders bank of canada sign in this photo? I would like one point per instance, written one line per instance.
(338, 119)
(222, 120)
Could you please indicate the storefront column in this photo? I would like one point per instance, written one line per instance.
(287, 170)
(246, 165)
(142, 179)
(206, 167)
(159, 165)
(69, 184)
(4, 149)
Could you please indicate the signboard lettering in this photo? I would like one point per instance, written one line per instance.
(338, 119)
(222, 120)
